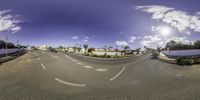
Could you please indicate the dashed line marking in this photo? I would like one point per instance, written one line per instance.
(79, 63)
(69, 83)
(118, 74)
(88, 67)
(101, 70)
(43, 67)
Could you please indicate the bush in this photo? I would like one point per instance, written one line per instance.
(195, 60)
(86, 54)
(155, 55)
(108, 56)
(186, 61)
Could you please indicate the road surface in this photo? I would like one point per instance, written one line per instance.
(42, 75)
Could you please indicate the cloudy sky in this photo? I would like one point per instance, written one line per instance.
(100, 22)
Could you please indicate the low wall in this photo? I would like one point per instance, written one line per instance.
(108, 53)
(9, 51)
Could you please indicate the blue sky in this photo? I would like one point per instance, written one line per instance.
(100, 22)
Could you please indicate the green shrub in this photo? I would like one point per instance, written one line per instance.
(195, 60)
(185, 61)
(108, 56)
(155, 55)
(86, 54)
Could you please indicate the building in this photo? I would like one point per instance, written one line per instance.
(44, 47)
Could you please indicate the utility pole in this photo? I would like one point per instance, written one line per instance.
(6, 46)
(17, 46)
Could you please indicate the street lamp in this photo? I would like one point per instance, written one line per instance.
(17, 46)
(6, 46)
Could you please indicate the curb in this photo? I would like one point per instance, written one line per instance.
(167, 60)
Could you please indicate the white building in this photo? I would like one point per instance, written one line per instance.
(44, 47)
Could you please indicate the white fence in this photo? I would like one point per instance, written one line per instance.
(108, 53)
(9, 51)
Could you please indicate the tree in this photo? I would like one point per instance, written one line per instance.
(138, 50)
(105, 49)
(78, 49)
(171, 44)
(125, 49)
(197, 44)
(2, 44)
(60, 47)
(10, 45)
(90, 50)
(85, 47)
(74, 48)
(110, 48)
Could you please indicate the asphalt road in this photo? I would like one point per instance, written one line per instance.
(42, 75)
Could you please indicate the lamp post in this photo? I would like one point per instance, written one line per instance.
(6, 46)
(17, 46)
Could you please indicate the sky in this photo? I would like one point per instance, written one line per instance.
(135, 23)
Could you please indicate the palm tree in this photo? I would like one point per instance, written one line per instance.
(109, 48)
(85, 47)
(105, 49)
(125, 49)
(116, 49)
(197, 44)
(138, 50)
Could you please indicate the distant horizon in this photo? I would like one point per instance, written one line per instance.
(133, 23)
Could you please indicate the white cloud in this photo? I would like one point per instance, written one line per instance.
(8, 22)
(198, 13)
(176, 18)
(75, 37)
(121, 43)
(151, 40)
(85, 40)
(183, 40)
(154, 40)
(86, 37)
(133, 39)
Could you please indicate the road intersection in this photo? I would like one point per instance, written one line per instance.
(44, 75)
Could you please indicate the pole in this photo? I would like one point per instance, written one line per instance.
(6, 46)
(17, 46)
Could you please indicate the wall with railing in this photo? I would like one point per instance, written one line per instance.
(9, 51)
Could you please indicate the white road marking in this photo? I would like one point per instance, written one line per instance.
(79, 63)
(74, 60)
(43, 67)
(69, 83)
(67, 56)
(88, 67)
(118, 74)
(178, 75)
(70, 58)
(101, 70)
